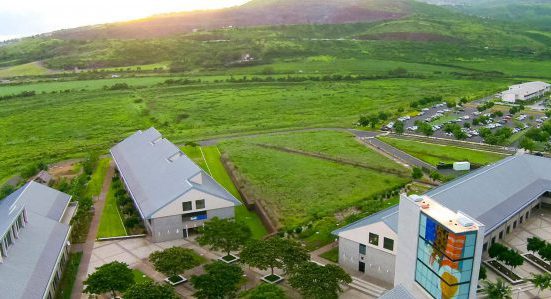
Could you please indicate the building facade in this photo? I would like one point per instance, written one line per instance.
(172, 194)
(439, 238)
(34, 241)
(525, 91)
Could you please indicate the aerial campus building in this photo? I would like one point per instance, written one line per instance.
(525, 91)
(34, 234)
(172, 194)
(431, 246)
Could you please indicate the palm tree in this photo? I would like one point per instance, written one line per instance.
(541, 281)
(497, 290)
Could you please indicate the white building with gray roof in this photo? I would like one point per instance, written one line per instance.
(478, 209)
(525, 91)
(172, 194)
(34, 234)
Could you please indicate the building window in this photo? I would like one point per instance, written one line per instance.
(200, 204)
(373, 239)
(501, 235)
(515, 224)
(485, 247)
(361, 267)
(186, 206)
(520, 220)
(493, 240)
(363, 249)
(388, 244)
(195, 216)
(508, 228)
(527, 214)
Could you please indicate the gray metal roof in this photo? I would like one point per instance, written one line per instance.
(398, 292)
(157, 172)
(491, 194)
(26, 271)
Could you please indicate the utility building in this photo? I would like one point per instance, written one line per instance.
(172, 194)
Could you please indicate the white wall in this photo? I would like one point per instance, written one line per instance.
(175, 207)
(379, 264)
(408, 234)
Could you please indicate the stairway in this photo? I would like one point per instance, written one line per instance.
(367, 287)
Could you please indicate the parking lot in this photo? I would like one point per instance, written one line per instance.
(498, 116)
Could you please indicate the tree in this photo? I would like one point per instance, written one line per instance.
(496, 250)
(416, 173)
(399, 127)
(527, 144)
(224, 234)
(451, 103)
(541, 281)
(263, 254)
(497, 290)
(535, 244)
(264, 291)
(315, 281)
(150, 290)
(292, 254)
(482, 273)
(219, 281)
(112, 277)
(173, 261)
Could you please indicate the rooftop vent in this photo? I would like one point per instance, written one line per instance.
(416, 198)
(465, 222)
(175, 156)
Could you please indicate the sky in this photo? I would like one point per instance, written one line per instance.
(19, 18)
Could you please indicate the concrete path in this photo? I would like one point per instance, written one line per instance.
(88, 246)
(315, 255)
(396, 153)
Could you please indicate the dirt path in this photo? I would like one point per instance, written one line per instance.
(92, 233)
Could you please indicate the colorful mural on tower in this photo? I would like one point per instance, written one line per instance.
(444, 260)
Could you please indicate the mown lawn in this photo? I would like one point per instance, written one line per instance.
(331, 255)
(111, 224)
(96, 182)
(213, 165)
(296, 189)
(436, 153)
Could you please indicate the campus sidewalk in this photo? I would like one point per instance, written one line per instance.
(88, 246)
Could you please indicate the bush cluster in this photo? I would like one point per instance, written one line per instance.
(131, 218)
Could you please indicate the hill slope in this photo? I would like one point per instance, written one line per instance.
(254, 13)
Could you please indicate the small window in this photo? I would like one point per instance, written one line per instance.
(200, 204)
(373, 239)
(515, 224)
(485, 247)
(388, 244)
(187, 206)
(362, 249)
(520, 219)
(493, 240)
(501, 235)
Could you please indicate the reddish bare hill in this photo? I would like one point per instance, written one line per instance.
(254, 13)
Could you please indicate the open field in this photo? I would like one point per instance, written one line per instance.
(208, 158)
(111, 224)
(435, 153)
(140, 277)
(296, 189)
(28, 69)
(65, 125)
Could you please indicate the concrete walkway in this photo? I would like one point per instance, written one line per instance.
(88, 246)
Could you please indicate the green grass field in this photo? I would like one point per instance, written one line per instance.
(28, 69)
(332, 255)
(67, 125)
(436, 153)
(208, 158)
(295, 189)
(96, 182)
(111, 224)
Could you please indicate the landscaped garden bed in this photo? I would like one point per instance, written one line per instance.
(175, 280)
(230, 258)
(505, 272)
(272, 278)
(537, 261)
